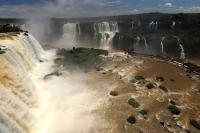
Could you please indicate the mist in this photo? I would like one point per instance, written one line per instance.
(66, 104)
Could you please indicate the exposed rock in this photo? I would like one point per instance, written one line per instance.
(133, 103)
(174, 109)
(55, 73)
(131, 120)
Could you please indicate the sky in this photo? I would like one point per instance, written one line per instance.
(91, 8)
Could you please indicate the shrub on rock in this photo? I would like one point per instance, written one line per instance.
(195, 123)
(163, 88)
(139, 78)
(114, 93)
(133, 103)
(174, 109)
(131, 120)
(150, 86)
(161, 79)
(144, 112)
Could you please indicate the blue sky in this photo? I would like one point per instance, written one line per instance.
(86, 8)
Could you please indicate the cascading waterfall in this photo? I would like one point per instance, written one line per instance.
(145, 43)
(71, 35)
(16, 88)
(31, 104)
(162, 44)
(173, 25)
(182, 54)
(138, 40)
(107, 30)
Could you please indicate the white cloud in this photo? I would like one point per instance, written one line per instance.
(168, 4)
(194, 9)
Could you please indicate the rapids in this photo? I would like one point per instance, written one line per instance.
(31, 104)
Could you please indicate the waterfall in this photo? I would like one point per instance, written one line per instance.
(138, 41)
(173, 25)
(107, 30)
(18, 95)
(182, 54)
(145, 43)
(132, 24)
(71, 35)
(162, 44)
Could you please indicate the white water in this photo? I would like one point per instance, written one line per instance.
(30, 104)
(162, 44)
(182, 54)
(145, 43)
(18, 95)
(173, 25)
(71, 35)
(153, 25)
(182, 51)
(107, 31)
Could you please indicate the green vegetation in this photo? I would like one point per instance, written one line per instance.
(161, 79)
(114, 93)
(144, 112)
(172, 102)
(9, 28)
(85, 58)
(163, 88)
(150, 86)
(174, 109)
(131, 120)
(172, 80)
(139, 78)
(195, 123)
(133, 103)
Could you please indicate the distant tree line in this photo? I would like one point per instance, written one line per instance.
(5, 28)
